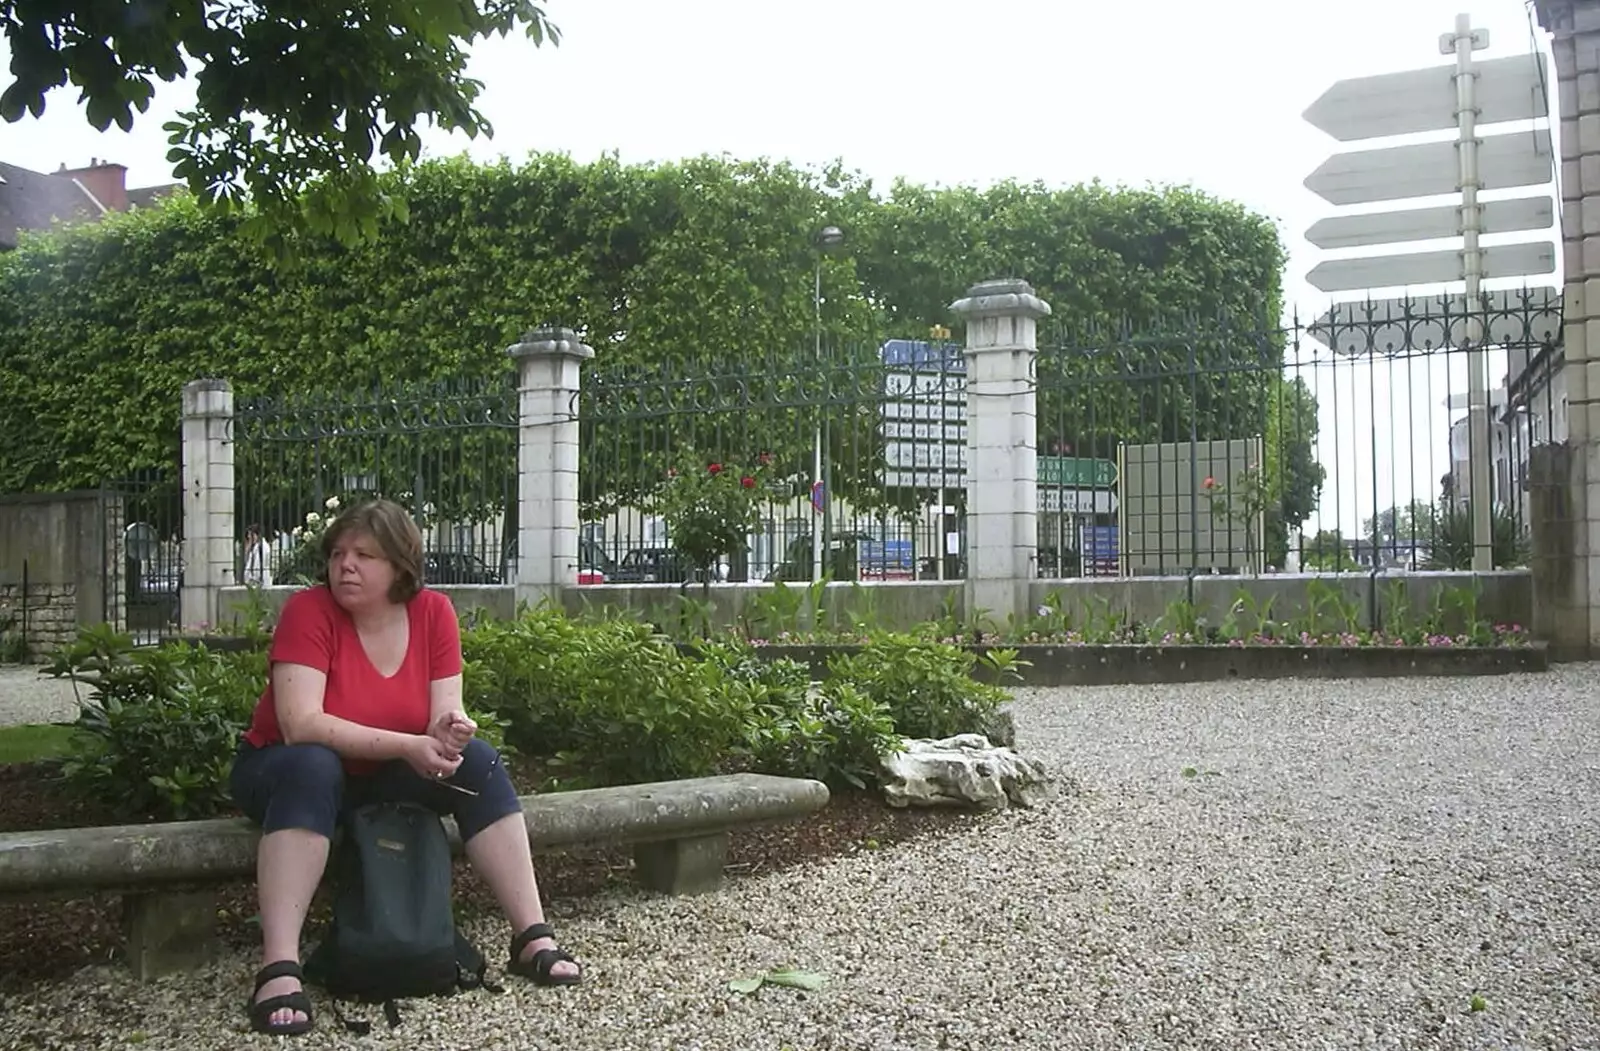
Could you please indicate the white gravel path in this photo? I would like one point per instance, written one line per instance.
(28, 696)
(1350, 864)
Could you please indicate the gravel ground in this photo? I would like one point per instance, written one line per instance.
(28, 696)
(1395, 863)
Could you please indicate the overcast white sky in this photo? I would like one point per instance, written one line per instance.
(1164, 91)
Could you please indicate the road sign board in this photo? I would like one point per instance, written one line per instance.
(1514, 159)
(1399, 326)
(949, 411)
(1077, 501)
(1510, 88)
(1428, 268)
(1076, 471)
(925, 386)
(925, 432)
(925, 455)
(924, 480)
(1423, 224)
(923, 355)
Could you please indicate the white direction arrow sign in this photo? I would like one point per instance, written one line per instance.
(1424, 224)
(1430, 268)
(1514, 159)
(1418, 323)
(1511, 88)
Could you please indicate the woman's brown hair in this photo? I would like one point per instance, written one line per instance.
(397, 535)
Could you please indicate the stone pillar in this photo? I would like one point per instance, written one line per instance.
(208, 534)
(1002, 462)
(548, 365)
(1571, 588)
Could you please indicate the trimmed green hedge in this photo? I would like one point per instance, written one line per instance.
(693, 263)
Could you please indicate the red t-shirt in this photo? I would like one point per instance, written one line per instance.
(314, 630)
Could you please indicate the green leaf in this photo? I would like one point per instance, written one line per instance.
(807, 980)
(745, 985)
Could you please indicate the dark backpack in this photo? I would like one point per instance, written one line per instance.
(393, 934)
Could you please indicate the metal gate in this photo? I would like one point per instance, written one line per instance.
(143, 569)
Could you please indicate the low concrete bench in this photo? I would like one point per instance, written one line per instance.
(678, 830)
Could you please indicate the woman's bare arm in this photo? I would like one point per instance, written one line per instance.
(298, 691)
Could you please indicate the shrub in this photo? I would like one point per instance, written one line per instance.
(159, 727)
(606, 703)
(835, 734)
(926, 686)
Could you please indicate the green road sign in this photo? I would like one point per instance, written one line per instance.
(1076, 473)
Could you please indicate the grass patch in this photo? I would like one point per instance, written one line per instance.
(30, 744)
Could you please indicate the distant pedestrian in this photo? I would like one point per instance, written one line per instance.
(257, 559)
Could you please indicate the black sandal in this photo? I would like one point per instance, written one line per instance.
(261, 1013)
(538, 967)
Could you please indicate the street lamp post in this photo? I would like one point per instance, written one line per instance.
(828, 237)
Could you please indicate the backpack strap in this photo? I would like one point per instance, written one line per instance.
(355, 1026)
(471, 967)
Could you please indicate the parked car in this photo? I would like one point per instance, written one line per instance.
(843, 559)
(652, 565)
(456, 567)
(594, 565)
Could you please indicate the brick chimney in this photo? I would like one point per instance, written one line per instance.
(106, 181)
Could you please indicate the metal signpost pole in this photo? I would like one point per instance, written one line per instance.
(1462, 43)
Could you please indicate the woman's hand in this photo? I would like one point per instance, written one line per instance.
(453, 730)
(431, 758)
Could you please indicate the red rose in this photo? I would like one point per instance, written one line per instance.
(715, 468)
(764, 459)
(747, 482)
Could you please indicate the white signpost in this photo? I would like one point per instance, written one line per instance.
(1459, 96)
(1428, 224)
(1429, 268)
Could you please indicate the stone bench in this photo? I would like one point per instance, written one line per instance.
(166, 873)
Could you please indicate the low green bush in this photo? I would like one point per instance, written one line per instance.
(833, 733)
(158, 727)
(595, 702)
(926, 686)
(608, 702)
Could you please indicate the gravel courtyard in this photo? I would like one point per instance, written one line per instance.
(1393, 863)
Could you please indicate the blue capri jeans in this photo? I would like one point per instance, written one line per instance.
(305, 786)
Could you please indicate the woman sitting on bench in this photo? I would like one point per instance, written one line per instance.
(363, 703)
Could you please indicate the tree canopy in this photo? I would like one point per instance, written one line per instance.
(293, 100)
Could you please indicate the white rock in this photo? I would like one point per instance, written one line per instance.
(962, 770)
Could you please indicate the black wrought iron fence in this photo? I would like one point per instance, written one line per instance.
(826, 437)
(1333, 442)
(446, 451)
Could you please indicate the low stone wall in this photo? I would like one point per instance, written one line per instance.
(61, 564)
(469, 599)
(1116, 665)
(46, 615)
(1370, 601)
(1505, 597)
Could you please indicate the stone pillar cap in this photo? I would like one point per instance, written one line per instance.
(1005, 297)
(550, 339)
(204, 398)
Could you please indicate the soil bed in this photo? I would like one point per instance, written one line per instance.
(44, 940)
